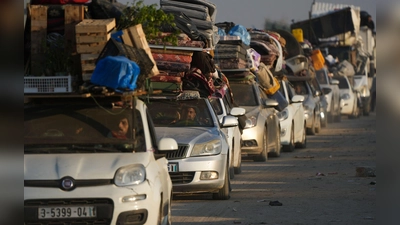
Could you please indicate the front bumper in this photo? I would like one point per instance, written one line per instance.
(347, 107)
(106, 198)
(286, 127)
(252, 139)
(187, 179)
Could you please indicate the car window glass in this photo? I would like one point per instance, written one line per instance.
(343, 83)
(215, 103)
(244, 94)
(227, 105)
(183, 113)
(300, 87)
(321, 76)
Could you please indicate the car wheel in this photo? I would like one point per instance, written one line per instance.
(290, 146)
(167, 219)
(231, 168)
(330, 115)
(263, 156)
(311, 131)
(238, 168)
(355, 112)
(338, 117)
(224, 192)
(277, 152)
(318, 126)
(303, 142)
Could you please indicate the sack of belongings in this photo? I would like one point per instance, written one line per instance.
(267, 80)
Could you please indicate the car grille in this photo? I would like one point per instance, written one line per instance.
(181, 177)
(178, 154)
(105, 208)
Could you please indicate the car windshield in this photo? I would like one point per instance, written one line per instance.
(343, 83)
(87, 127)
(300, 87)
(216, 104)
(244, 94)
(181, 113)
(322, 76)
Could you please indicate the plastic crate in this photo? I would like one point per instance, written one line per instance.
(54, 84)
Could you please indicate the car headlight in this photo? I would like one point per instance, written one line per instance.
(283, 115)
(209, 148)
(251, 122)
(345, 96)
(130, 175)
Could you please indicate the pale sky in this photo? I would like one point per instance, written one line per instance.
(253, 13)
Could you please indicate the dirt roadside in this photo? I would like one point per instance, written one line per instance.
(316, 185)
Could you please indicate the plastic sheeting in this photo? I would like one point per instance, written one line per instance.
(117, 72)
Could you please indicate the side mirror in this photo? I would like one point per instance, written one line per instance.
(326, 91)
(229, 121)
(167, 144)
(298, 98)
(334, 82)
(271, 103)
(237, 111)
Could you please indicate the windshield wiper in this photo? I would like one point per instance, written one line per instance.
(95, 148)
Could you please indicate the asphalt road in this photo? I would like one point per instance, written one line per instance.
(316, 185)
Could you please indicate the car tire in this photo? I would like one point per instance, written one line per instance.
(263, 156)
(225, 192)
(290, 146)
(238, 169)
(231, 168)
(311, 131)
(303, 142)
(355, 113)
(330, 115)
(338, 117)
(367, 107)
(277, 152)
(318, 127)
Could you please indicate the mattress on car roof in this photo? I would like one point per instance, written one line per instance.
(188, 12)
(212, 8)
(211, 35)
(173, 66)
(186, 5)
(202, 24)
(232, 64)
(230, 55)
(230, 48)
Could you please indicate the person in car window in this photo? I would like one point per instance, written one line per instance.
(122, 129)
(189, 117)
(299, 89)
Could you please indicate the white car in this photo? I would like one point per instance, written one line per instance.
(201, 164)
(223, 107)
(292, 120)
(331, 93)
(348, 95)
(77, 170)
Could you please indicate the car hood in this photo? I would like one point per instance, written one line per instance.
(80, 166)
(251, 110)
(189, 135)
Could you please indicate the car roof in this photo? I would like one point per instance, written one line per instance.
(297, 78)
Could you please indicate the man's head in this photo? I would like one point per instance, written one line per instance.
(123, 126)
(190, 113)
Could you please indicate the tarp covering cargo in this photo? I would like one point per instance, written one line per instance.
(335, 23)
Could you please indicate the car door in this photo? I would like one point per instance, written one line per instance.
(272, 119)
(298, 113)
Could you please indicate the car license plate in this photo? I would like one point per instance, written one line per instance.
(173, 167)
(66, 212)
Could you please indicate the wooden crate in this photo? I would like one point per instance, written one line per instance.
(88, 64)
(38, 16)
(135, 37)
(92, 35)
